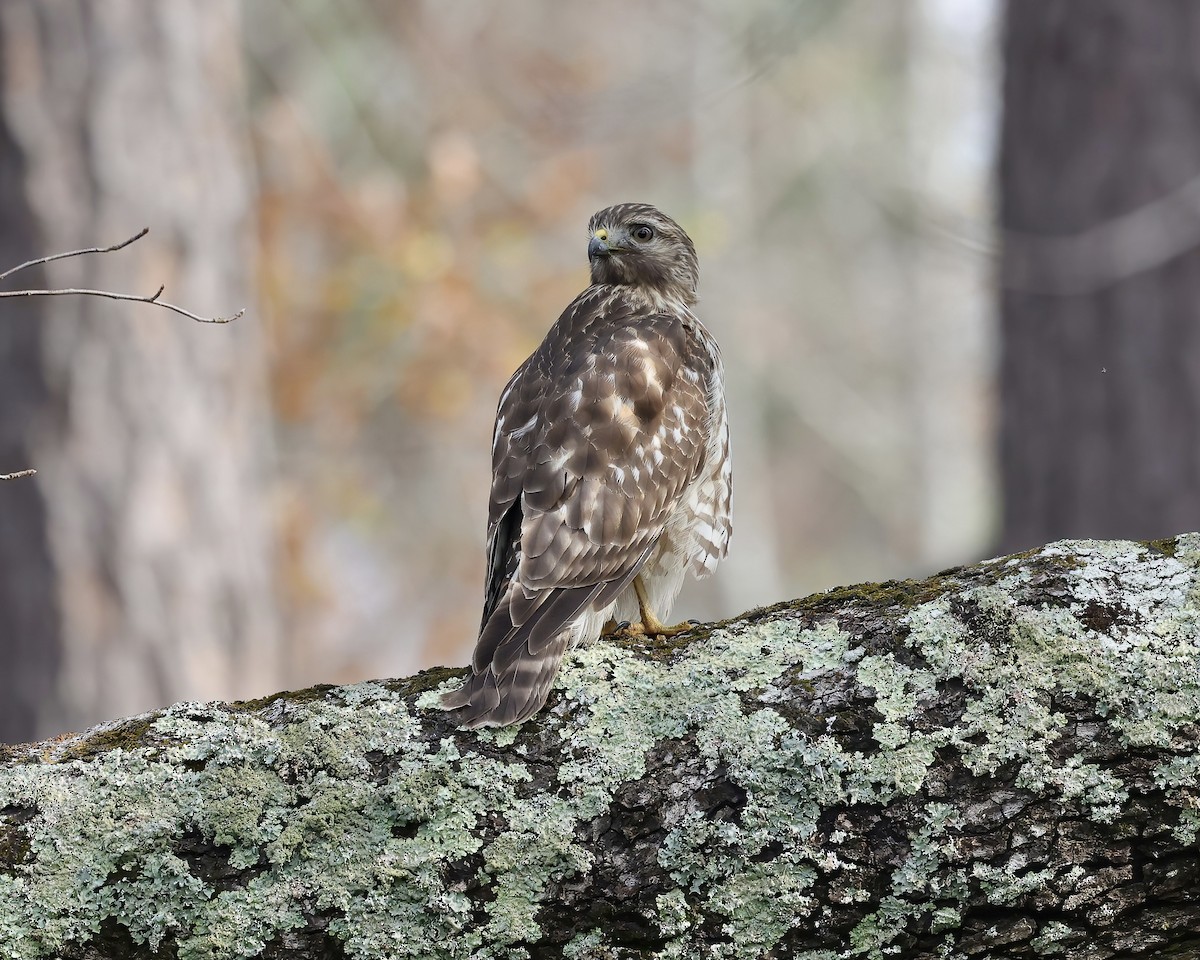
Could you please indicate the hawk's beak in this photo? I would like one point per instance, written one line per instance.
(597, 248)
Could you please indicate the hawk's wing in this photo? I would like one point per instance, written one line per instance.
(598, 435)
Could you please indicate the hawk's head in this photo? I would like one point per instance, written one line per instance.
(636, 244)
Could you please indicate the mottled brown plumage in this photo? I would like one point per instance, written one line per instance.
(610, 461)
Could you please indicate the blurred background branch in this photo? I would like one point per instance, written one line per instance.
(74, 253)
(74, 292)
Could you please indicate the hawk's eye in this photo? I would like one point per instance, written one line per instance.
(643, 233)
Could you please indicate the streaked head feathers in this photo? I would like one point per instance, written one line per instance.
(637, 244)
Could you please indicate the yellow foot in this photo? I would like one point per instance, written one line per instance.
(612, 628)
(656, 629)
(650, 625)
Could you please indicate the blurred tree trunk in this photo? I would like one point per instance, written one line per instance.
(135, 568)
(1100, 213)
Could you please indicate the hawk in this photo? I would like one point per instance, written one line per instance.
(611, 476)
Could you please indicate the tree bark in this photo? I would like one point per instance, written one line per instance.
(137, 563)
(1099, 188)
(998, 761)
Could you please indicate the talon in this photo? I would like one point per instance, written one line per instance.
(651, 625)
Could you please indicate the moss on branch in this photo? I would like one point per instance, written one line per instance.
(1000, 758)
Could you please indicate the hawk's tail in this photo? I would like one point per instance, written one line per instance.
(521, 647)
(516, 663)
(489, 699)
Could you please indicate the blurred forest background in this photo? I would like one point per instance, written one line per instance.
(399, 194)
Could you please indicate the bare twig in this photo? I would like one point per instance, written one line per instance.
(18, 475)
(75, 253)
(80, 292)
(134, 298)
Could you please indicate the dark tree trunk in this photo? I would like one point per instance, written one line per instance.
(134, 569)
(30, 628)
(1100, 309)
(1000, 761)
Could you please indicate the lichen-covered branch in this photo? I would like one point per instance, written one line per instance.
(1000, 761)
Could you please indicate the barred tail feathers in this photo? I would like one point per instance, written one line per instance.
(515, 663)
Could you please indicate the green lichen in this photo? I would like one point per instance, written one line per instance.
(1049, 941)
(344, 802)
(586, 946)
(1141, 675)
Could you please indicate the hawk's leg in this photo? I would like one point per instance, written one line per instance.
(650, 625)
(612, 627)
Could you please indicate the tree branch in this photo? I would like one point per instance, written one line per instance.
(18, 475)
(74, 253)
(66, 292)
(74, 292)
(1001, 760)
